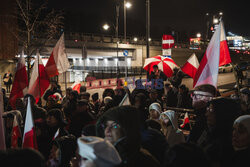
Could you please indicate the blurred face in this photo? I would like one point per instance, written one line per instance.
(153, 96)
(210, 115)
(241, 137)
(154, 114)
(155, 69)
(165, 121)
(51, 121)
(81, 108)
(200, 99)
(112, 131)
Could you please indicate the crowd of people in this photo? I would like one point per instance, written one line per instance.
(83, 129)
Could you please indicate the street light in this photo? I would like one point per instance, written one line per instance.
(198, 35)
(126, 5)
(105, 27)
(135, 39)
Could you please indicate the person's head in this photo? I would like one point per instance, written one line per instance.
(169, 118)
(183, 88)
(138, 83)
(23, 157)
(32, 100)
(155, 111)
(52, 100)
(73, 95)
(83, 89)
(155, 68)
(221, 113)
(85, 95)
(108, 92)
(55, 118)
(82, 105)
(153, 124)
(168, 86)
(95, 97)
(202, 95)
(19, 104)
(95, 151)
(241, 133)
(244, 95)
(140, 99)
(68, 90)
(107, 99)
(153, 94)
(186, 154)
(53, 84)
(120, 122)
(62, 150)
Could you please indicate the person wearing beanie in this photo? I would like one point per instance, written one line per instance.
(121, 127)
(155, 111)
(169, 125)
(96, 152)
(241, 141)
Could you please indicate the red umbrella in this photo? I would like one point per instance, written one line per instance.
(165, 64)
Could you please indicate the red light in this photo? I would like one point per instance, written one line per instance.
(76, 40)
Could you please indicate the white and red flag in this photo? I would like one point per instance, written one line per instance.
(191, 66)
(224, 51)
(56, 134)
(29, 136)
(207, 72)
(16, 134)
(39, 80)
(185, 121)
(58, 61)
(165, 64)
(76, 86)
(20, 83)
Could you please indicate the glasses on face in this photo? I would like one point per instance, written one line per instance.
(210, 109)
(114, 125)
(201, 95)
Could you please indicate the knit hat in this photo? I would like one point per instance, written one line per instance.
(245, 120)
(155, 106)
(172, 117)
(98, 150)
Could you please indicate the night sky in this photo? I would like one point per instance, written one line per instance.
(188, 16)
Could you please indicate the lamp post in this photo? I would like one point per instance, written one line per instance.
(126, 5)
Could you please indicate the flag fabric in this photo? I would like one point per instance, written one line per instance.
(76, 86)
(125, 100)
(20, 83)
(185, 121)
(16, 133)
(191, 66)
(207, 72)
(39, 80)
(2, 132)
(29, 137)
(58, 61)
(224, 51)
(56, 134)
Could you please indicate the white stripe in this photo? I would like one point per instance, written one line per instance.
(194, 61)
(168, 41)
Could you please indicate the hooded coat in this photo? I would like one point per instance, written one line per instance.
(129, 146)
(173, 134)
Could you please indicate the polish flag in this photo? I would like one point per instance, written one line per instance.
(224, 51)
(20, 83)
(16, 134)
(39, 80)
(191, 66)
(207, 72)
(125, 100)
(56, 134)
(76, 86)
(185, 121)
(29, 137)
(58, 61)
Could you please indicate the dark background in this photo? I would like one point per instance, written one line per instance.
(182, 16)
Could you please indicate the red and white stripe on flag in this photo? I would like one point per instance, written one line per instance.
(224, 51)
(16, 134)
(185, 120)
(207, 72)
(191, 66)
(29, 136)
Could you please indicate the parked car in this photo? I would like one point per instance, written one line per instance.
(226, 68)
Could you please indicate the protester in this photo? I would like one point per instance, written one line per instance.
(153, 98)
(170, 98)
(54, 87)
(83, 89)
(7, 80)
(201, 96)
(155, 111)
(62, 151)
(245, 100)
(66, 97)
(184, 99)
(216, 138)
(170, 128)
(120, 126)
(139, 88)
(96, 152)
(241, 141)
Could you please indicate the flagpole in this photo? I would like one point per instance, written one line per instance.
(65, 80)
(38, 57)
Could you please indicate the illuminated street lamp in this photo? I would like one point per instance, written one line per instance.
(135, 39)
(126, 5)
(215, 20)
(105, 27)
(198, 35)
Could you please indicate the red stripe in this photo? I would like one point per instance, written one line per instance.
(51, 67)
(224, 53)
(203, 63)
(189, 69)
(30, 139)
